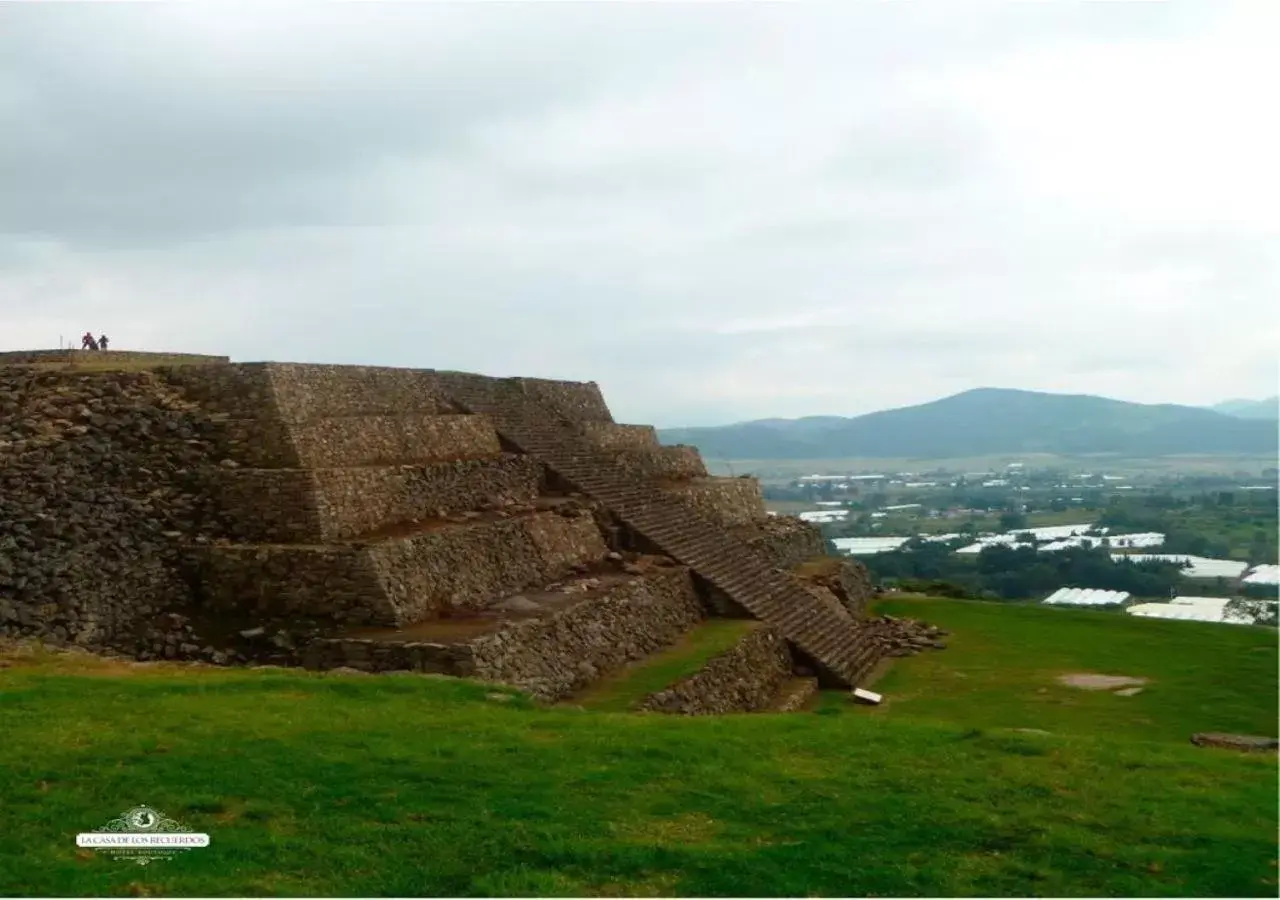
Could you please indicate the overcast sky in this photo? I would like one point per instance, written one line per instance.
(717, 211)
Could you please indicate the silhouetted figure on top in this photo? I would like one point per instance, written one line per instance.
(102, 342)
(87, 342)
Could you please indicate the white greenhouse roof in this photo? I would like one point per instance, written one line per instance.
(865, 546)
(1057, 532)
(1085, 597)
(1263, 575)
(1208, 602)
(988, 541)
(1191, 612)
(1064, 543)
(823, 515)
(1145, 539)
(1201, 566)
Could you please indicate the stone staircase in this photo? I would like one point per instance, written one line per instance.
(834, 644)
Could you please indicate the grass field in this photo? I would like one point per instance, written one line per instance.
(1002, 663)
(406, 785)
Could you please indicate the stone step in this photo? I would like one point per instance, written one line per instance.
(551, 653)
(326, 505)
(397, 580)
(765, 593)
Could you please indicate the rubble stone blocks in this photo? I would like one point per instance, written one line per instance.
(185, 507)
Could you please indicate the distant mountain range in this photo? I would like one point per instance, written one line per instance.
(990, 421)
(1250, 409)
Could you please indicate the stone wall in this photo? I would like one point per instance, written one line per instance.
(306, 392)
(391, 439)
(356, 501)
(676, 463)
(856, 588)
(248, 583)
(395, 581)
(243, 397)
(323, 505)
(745, 678)
(550, 656)
(464, 567)
(554, 656)
(726, 501)
(615, 436)
(845, 579)
(784, 540)
(102, 478)
(577, 401)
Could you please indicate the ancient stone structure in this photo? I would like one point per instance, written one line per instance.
(398, 519)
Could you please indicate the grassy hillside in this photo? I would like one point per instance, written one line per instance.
(1002, 663)
(990, 421)
(328, 785)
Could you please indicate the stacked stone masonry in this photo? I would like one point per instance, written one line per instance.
(746, 678)
(724, 501)
(321, 505)
(834, 643)
(785, 540)
(610, 436)
(102, 480)
(550, 656)
(398, 580)
(162, 511)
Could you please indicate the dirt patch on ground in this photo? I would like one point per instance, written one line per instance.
(1090, 682)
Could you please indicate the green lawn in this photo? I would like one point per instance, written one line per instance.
(329, 785)
(623, 690)
(1002, 663)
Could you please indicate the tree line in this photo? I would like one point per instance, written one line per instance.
(1020, 572)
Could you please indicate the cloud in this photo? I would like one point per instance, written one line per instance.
(719, 212)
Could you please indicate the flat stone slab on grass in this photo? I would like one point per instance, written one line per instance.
(1090, 682)
(1247, 742)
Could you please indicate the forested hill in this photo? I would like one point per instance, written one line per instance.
(990, 421)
